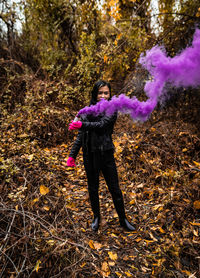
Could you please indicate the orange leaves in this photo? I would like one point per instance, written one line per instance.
(138, 239)
(91, 244)
(160, 190)
(95, 245)
(119, 36)
(105, 269)
(112, 255)
(116, 41)
(198, 13)
(195, 224)
(196, 204)
(114, 7)
(44, 190)
(72, 206)
(128, 274)
(161, 230)
(196, 163)
(105, 59)
(158, 207)
(47, 208)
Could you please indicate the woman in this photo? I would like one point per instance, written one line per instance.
(95, 138)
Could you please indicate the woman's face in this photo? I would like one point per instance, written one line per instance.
(103, 92)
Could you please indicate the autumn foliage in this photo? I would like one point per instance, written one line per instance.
(47, 72)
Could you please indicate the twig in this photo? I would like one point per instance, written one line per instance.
(8, 232)
(45, 227)
(10, 261)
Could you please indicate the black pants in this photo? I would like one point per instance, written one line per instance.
(95, 162)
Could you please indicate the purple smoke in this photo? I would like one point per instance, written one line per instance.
(183, 70)
(138, 110)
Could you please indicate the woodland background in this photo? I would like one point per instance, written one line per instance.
(51, 53)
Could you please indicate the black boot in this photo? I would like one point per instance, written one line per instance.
(128, 226)
(95, 223)
(94, 200)
(119, 206)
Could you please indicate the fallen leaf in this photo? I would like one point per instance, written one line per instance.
(97, 245)
(141, 185)
(194, 224)
(113, 235)
(186, 272)
(196, 163)
(51, 242)
(196, 204)
(133, 267)
(161, 230)
(105, 268)
(157, 206)
(30, 157)
(46, 208)
(128, 274)
(138, 239)
(37, 266)
(83, 264)
(44, 190)
(195, 232)
(118, 274)
(113, 256)
(186, 200)
(91, 244)
(148, 241)
(34, 201)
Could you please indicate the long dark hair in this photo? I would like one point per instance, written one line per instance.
(95, 90)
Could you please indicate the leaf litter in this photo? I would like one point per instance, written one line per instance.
(46, 212)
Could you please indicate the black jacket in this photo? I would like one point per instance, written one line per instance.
(95, 134)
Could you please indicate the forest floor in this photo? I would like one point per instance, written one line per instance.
(46, 215)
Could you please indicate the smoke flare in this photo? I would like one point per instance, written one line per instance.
(183, 70)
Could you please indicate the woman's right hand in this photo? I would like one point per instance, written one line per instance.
(71, 162)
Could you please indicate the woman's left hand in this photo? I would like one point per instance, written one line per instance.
(75, 125)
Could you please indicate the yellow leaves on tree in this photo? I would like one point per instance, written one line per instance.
(198, 13)
(113, 5)
(105, 59)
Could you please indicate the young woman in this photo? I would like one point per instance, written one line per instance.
(95, 138)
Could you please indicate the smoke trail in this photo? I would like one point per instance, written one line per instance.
(181, 70)
(138, 110)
